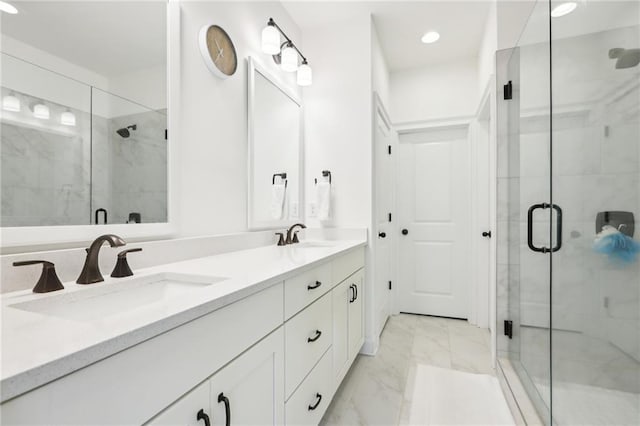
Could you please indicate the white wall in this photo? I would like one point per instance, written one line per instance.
(379, 69)
(142, 86)
(437, 92)
(338, 135)
(212, 170)
(488, 47)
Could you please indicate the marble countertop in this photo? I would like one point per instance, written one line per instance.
(38, 348)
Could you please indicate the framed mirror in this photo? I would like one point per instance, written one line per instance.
(84, 119)
(275, 131)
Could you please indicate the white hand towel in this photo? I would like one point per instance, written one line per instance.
(323, 200)
(278, 194)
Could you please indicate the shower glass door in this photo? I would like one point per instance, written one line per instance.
(569, 196)
(595, 168)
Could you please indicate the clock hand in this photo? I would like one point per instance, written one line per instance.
(217, 45)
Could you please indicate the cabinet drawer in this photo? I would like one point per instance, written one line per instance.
(347, 264)
(307, 336)
(303, 289)
(309, 402)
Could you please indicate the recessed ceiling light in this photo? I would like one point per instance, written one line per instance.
(430, 37)
(9, 8)
(563, 9)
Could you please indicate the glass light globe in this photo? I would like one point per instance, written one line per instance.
(68, 118)
(270, 40)
(41, 111)
(289, 61)
(11, 103)
(305, 76)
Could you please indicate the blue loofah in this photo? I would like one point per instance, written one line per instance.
(618, 246)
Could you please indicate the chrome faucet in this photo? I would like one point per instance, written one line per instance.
(294, 239)
(91, 270)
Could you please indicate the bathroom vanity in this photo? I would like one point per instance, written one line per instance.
(260, 336)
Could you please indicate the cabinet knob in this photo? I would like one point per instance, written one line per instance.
(486, 234)
(314, 286)
(405, 231)
(382, 234)
(203, 416)
(227, 408)
(314, 406)
(314, 338)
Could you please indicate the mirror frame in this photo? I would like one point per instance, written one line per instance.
(34, 238)
(255, 67)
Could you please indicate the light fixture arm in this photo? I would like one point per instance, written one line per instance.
(288, 40)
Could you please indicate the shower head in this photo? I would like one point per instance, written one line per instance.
(626, 58)
(124, 132)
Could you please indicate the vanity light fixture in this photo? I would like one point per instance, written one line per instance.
(41, 111)
(11, 103)
(430, 37)
(68, 118)
(563, 9)
(8, 8)
(285, 54)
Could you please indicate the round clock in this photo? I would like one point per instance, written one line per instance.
(218, 51)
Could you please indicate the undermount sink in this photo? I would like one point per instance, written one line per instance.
(112, 299)
(314, 244)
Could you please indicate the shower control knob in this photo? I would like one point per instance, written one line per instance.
(486, 234)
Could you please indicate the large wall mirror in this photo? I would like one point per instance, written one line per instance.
(275, 151)
(84, 113)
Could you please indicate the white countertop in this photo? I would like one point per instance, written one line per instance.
(38, 348)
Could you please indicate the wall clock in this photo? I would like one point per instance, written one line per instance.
(218, 51)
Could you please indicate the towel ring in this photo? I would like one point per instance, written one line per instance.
(325, 173)
(283, 176)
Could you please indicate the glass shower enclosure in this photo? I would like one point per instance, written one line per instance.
(568, 293)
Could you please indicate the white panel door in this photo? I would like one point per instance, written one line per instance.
(384, 207)
(433, 205)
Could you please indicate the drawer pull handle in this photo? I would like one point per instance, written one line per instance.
(227, 408)
(313, 287)
(203, 416)
(353, 293)
(314, 406)
(355, 288)
(314, 338)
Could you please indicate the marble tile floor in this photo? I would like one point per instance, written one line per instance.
(376, 391)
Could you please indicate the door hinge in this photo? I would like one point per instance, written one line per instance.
(389, 285)
(508, 91)
(389, 217)
(508, 328)
(389, 149)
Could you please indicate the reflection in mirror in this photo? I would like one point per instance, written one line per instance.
(275, 124)
(84, 113)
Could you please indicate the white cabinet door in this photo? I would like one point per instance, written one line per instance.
(250, 390)
(341, 295)
(190, 410)
(356, 332)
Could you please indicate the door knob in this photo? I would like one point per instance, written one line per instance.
(486, 234)
(382, 234)
(405, 231)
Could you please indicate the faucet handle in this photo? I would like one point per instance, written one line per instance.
(295, 239)
(122, 268)
(49, 280)
(281, 239)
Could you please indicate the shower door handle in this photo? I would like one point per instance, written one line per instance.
(530, 227)
(558, 228)
(558, 245)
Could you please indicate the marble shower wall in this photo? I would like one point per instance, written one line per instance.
(45, 167)
(130, 174)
